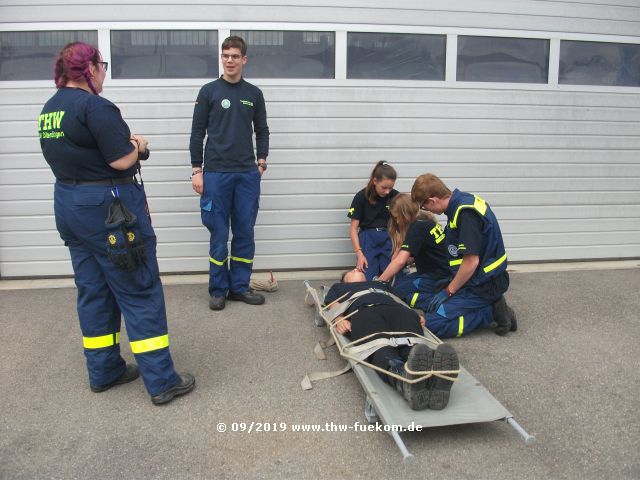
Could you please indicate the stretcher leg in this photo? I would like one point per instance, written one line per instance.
(370, 412)
(407, 457)
(528, 439)
(372, 417)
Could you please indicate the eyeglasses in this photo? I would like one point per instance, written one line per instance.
(105, 65)
(235, 57)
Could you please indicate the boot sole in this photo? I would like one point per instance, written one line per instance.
(501, 317)
(256, 302)
(417, 394)
(173, 393)
(514, 320)
(444, 358)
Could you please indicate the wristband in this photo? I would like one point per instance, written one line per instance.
(194, 173)
(358, 250)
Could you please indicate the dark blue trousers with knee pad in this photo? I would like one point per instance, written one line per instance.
(376, 247)
(106, 292)
(416, 289)
(463, 313)
(230, 200)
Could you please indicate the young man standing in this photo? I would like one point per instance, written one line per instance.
(473, 298)
(228, 110)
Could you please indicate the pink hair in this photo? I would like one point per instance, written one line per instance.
(73, 64)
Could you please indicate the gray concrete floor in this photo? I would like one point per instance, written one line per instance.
(570, 376)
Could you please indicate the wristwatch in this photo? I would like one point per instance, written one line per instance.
(194, 173)
(263, 165)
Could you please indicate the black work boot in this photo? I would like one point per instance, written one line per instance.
(445, 358)
(419, 360)
(250, 297)
(502, 317)
(186, 383)
(216, 303)
(514, 320)
(131, 372)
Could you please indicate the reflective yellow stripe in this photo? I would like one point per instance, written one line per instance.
(453, 263)
(216, 262)
(239, 259)
(149, 344)
(495, 264)
(101, 342)
(460, 325)
(414, 299)
(478, 204)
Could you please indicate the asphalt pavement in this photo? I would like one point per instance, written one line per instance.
(569, 375)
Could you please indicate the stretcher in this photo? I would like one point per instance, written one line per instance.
(470, 402)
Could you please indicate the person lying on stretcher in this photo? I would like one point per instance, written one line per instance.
(378, 312)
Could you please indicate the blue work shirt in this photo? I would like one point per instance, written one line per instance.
(228, 113)
(81, 134)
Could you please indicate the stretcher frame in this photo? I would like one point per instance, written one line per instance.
(470, 401)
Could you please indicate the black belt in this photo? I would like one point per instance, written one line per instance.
(106, 181)
(377, 229)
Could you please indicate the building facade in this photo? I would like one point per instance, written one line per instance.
(533, 105)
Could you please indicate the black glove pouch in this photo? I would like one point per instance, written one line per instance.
(125, 248)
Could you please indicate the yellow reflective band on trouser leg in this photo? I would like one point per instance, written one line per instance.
(240, 259)
(460, 325)
(217, 262)
(414, 299)
(102, 341)
(150, 344)
(495, 264)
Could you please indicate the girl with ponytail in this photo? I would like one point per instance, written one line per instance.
(369, 214)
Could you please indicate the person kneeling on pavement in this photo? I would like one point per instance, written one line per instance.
(378, 312)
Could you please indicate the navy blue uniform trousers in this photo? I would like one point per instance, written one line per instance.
(462, 313)
(376, 247)
(230, 199)
(415, 289)
(105, 292)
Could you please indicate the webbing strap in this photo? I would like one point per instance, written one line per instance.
(430, 338)
(365, 350)
(344, 304)
(315, 376)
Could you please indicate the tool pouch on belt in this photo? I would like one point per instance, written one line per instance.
(125, 248)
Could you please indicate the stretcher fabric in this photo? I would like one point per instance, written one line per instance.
(470, 401)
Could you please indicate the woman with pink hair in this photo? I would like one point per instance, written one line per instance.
(100, 211)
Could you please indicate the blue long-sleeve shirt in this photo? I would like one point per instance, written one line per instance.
(228, 113)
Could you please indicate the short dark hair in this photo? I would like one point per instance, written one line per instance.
(234, 42)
